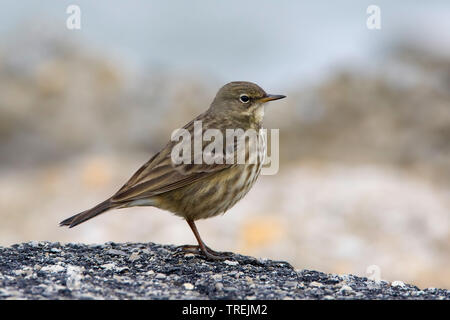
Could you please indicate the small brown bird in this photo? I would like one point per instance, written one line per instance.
(198, 190)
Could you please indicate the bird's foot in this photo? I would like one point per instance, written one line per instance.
(189, 249)
(209, 253)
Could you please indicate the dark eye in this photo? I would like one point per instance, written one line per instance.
(244, 98)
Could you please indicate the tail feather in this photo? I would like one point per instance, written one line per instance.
(88, 214)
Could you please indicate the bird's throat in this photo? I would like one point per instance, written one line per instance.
(259, 114)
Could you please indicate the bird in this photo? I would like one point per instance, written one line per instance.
(195, 189)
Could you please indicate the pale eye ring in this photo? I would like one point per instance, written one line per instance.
(244, 98)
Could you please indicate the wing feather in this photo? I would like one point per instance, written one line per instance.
(161, 175)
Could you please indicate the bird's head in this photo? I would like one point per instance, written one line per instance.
(241, 99)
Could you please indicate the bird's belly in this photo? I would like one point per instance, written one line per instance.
(212, 195)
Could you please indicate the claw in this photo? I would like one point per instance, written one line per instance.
(189, 249)
(209, 253)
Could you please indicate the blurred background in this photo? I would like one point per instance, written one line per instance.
(364, 173)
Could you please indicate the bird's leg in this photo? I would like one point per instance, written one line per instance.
(209, 253)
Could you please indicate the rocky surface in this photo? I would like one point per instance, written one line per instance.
(44, 270)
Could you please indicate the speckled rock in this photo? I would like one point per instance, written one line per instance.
(44, 270)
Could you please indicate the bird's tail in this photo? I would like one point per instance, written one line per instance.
(88, 214)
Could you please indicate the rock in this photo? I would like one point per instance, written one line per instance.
(397, 284)
(108, 266)
(109, 271)
(217, 277)
(188, 286)
(116, 252)
(74, 276)
(346, 288)
(133, 257)
(231, 263)
(290, 284)
(53, 268)
(315, 284)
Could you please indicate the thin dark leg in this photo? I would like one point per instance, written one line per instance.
(210, 254)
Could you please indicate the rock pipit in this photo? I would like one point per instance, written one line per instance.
(210, 179)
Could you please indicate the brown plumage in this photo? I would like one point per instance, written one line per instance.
(199, 190)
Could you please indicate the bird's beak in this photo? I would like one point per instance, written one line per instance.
(271, 97)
